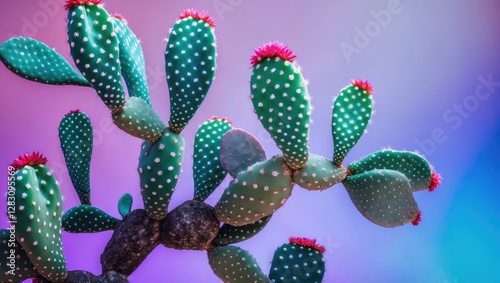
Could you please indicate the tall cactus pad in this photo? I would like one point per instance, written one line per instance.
(233, 264)
(138, 119)
(240, 150)
(131, 60)
(125, 204)
(255, 193)
(95, 49)
(280, 99)
(159, 169)
(87, 219)
(208, 172)
(229, 234)
(413, 165)
(300, 261)
(75, 136)
(15, 265)
(319, 174)
(352, 110)
(384, 197)
(39, 209)
(190, 65)
(35, 61)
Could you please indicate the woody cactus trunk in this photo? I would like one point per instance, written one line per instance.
(105, 50)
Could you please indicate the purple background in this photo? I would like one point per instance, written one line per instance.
(425, 63)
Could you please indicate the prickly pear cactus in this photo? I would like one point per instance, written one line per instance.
(106, 51)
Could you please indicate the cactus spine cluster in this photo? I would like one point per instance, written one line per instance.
(105, 50)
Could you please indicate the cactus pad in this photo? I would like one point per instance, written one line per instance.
(94, 47)
(280, 99)
(384, 197)
(35, 61)
(138, 119)
(255, 193)
(131, 60)
(15, 265)
(413, 165)
(87, 219)
(159, 169)
(207, 169)
(125, 204)
(233, 264)
(39, 208)
(229, 234)
(319, 174)
(352, 110)
(240, 150)
(301, 261)
(190, 65)
(75, 136)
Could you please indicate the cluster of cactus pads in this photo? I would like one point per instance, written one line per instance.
(105, 50)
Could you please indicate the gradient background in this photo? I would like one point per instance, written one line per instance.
(424, 63)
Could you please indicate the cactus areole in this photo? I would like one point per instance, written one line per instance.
(109, 58)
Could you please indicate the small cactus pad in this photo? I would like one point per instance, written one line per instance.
(233, 265)
(383, 196)
(94, 47)
(229, 234)
(413, 165)
(301, 261)
(75, 136)
(35, 61)
(208, 172)
(190, 66)
(255, 193)
(39, 209)
(138, 119)
(280, 99)
(159, 169)
(15, 265)
(125, 204)
(87, 219)
(131, 60)
(319, 174)
(352, 110)
(240, 150)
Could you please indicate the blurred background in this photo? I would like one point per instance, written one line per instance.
(435, 68)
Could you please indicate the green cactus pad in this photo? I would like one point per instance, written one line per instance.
(35, 61)
(131, 60)
(299, 261)
(138, 119)
(255, 193)
(125, 204)
(280, 99)
(384, 197)
(413, 165)
(75, 136)
(190, 66)
(208, 172)
(39, 209)
(240, 150)
(352, 110)
(233, 264)
(159, 169)
(319, 174)
(15, 265)
(87, 219)
(94, 47)
(229, 234)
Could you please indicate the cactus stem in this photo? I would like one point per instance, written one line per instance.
(305, 242)
(70, 4)
(120, 17)
(417, 219)
(435, 181)
(364, 85)
(198, 15)
(29, 159)
(272, 49)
